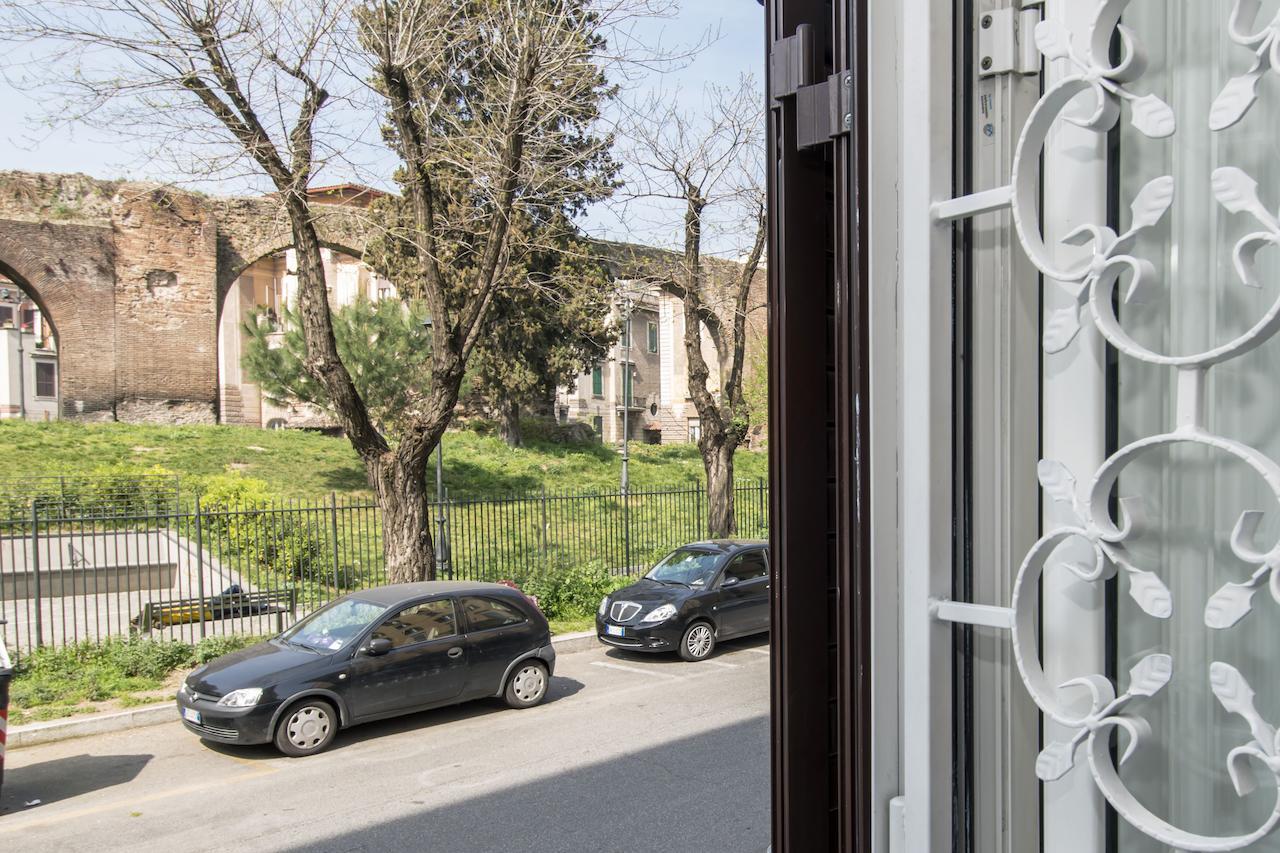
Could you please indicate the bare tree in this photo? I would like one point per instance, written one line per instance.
(489, 105)
(707, 164)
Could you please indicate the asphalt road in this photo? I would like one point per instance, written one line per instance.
(629, 753)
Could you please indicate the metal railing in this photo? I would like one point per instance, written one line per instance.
(69, 577)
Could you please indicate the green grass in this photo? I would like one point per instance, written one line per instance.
(308, 465)
(53, 683)
(572, 624)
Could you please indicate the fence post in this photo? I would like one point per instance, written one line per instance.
(545, 555)
(697, 512)
(626, 528)
(35, 569)
(333, 507)
(200, 565)
(763, 518)
(446, 547)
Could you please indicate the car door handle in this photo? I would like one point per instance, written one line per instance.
(455, 652)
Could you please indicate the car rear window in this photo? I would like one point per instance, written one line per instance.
(484, 614)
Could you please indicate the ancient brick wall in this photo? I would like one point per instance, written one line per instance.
(131, 277)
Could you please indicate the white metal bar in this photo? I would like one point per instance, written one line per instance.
(1073, 432)
(926, 406)
(965, 206)
(974, 614)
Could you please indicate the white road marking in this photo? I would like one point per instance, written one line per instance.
(622, 668)
(764, 652)
(721, 663)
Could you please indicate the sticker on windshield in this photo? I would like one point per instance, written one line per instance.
(336, 644)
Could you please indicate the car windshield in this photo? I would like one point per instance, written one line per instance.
(689, 566)
(334, 627)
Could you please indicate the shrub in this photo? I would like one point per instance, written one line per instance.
(240, 513)
(573, 591)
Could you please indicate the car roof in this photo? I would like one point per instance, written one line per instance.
(729, 546)
(397, 592)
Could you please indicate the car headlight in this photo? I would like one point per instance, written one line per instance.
(604, 605)
(245, 698)
(660, 614)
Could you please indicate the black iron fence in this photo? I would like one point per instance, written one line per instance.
(165, 569)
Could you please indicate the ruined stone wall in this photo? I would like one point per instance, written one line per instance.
(131, 276)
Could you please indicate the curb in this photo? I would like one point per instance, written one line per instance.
(96, 724)
(151, 715)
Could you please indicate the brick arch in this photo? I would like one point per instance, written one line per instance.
(244, 240)
(68, 272)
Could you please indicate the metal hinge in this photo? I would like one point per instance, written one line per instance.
(824, 110)
(1007, 42)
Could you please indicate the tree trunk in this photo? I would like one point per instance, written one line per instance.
(406, 518)
(509, 423)
(717, 458)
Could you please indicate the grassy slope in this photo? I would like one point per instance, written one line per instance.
(304, 465)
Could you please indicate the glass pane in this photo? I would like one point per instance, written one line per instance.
(1194, 495)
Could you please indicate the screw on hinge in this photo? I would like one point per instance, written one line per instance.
(848, 120)
(987, 21)
(986, 63)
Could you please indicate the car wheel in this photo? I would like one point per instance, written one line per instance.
(306, 728)
(698, 642)
(527, 686)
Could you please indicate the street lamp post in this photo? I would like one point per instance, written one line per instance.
(442, 522)
(627, 307)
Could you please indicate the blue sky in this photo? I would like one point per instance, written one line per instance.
(26, 145)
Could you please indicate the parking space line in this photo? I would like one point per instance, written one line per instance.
(764, 652)
(622, 668)
(723, 664)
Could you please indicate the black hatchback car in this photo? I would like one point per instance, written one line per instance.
(693, 598)
(373, 654)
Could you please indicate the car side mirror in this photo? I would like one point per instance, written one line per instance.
(730, 580)
(377, 646)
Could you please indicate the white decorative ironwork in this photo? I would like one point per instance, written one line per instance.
(1094, 282)
(1240, 93)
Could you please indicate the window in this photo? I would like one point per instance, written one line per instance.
(653, 337)
(485, 614)
(597, 381)
(420, 623)
(597, 423)
(28, 318)
(626, 334)
(695, 430)
(628, 380)
(336, 625)
(748, 567)
(6, 315)
(46, 379)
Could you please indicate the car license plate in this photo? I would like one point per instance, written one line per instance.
(191, 715)
(614, 630)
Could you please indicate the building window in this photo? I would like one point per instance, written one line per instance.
(695, 430)
(597, 381)
(564, 414)
(46, 379)
(28, 318)
(597, 424)
(626, 333)
(6, 315)
(628, 380)
(653, 337)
